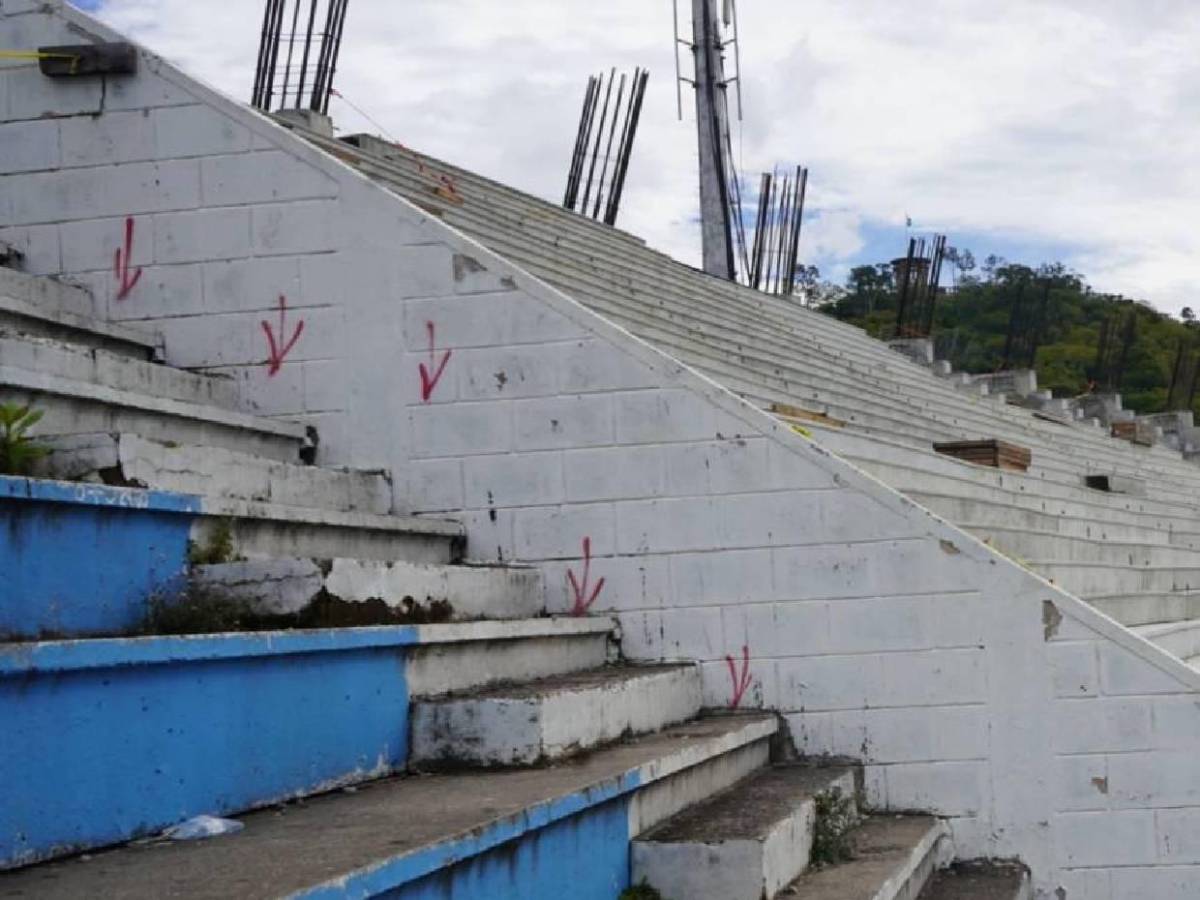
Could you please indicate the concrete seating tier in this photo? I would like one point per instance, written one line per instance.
(1135, 554)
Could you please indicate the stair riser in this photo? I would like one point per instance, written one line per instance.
(274, 539)
(1067, 550)
(213, 472)
(12, 320)
(978, 516)
(77, 415)
(283, 586)
(1104, 581)
(735, 869)
(1149, 608)
(1184, 643)
(508, 732)
(118, 372)
(663, 799)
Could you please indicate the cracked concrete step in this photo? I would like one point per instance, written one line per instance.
(395, 832)
(1180, 639)
(100, 367)
(67, 327)
(894, 858)
(432, 592)
(129, 459)
(72, 406)
(747, 843)
(979, 881)
(552, 718)
(274, 531)
(1148, 609)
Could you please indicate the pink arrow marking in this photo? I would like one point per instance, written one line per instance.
(278, 353)
(583, 597)
(741, 680)
(125, 281)
(436, 367)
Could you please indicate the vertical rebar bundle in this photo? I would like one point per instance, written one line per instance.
(775, 249)
(626, 112)
(918, 282)
(317, 51)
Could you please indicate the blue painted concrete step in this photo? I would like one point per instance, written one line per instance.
(541, 834)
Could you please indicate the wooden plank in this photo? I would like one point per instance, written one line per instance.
(788, 411)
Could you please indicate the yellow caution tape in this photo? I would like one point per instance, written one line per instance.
(803, 432)
(36, 54)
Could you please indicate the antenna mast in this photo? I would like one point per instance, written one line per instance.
(721, 226)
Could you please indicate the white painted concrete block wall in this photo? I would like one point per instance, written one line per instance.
(714, 533)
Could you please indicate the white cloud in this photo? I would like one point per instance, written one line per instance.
(1069, 123)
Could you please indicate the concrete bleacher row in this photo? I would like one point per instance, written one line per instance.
(1137, 557)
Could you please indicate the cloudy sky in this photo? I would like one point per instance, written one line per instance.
(1035, 129)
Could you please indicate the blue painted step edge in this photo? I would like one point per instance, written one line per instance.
(109, 740)
(82, 559)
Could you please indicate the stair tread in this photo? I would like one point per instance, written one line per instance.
(748, 810)
(280, 512)
(976, 882)
(889, 848)
(26, 379)
(114, 331)
(384, 833)
(570, 682)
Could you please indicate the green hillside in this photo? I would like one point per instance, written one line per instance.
(1058, 327)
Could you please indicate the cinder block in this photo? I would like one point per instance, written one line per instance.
(237, 285)
(1106, 838)
(161, 291)
(695, 634)
(659, 416)
(824, 683)
(710, 579)
(201, 235)
(1073, 666)
(1123, 672)
(880, 569)
(1159, 882)
(513, 480)
(612, 473)
(325, 385)
(932, 677)
(122, 190)
(778, 630)
(425, 270)
(434, 484)
(1176, 722)
(597, 365)
(461, 429)
(473, 277)
(1102, 725)
(938, 788)
(197, 130)
(719, 467)
(29, 146)
(39, 245)
(1081, 783)
(1154, 779)
(511, 318)
(90, 244)
(265, 177)
(296, 227)
(913, 734)
(553, 423)
(1178, 835)
(558, 532)
(530, 371)
(115, 137)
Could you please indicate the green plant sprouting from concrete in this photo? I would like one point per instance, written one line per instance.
(836, 817)
(18, 449)
(217, 549)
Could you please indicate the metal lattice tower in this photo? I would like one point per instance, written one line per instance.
(296, 68)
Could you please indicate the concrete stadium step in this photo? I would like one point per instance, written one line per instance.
(23, 316)
(73, 362)
(551, 718)
(473, 655)
(1180, 639)
(747, 843)
(1025, 544)
(400, 832)
(979, 881)
(1020, 514)
(1087, 580)
(1149, 609)
(895, 856)
(131, 460)
(73, 406)
(252, 530)
(429, 592)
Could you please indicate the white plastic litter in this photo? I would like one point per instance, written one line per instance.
(199, 827)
